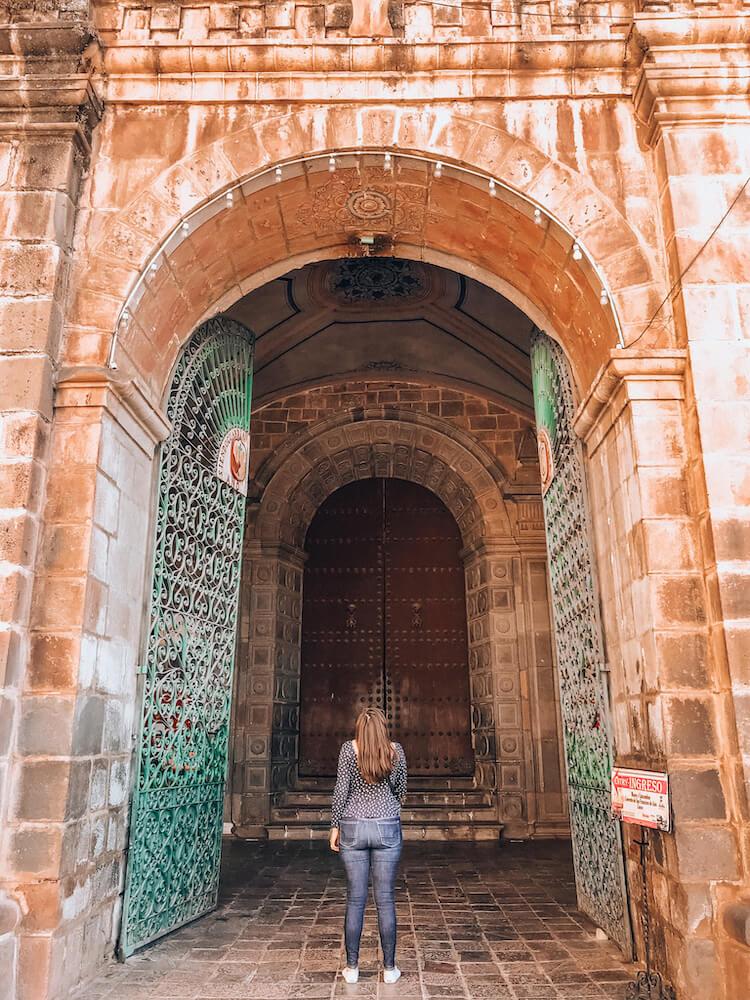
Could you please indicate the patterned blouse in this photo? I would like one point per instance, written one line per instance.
(354, 798)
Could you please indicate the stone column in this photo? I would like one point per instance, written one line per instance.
(47, 111)
(548, 806)
(65, 831)
(499, 691)
(673, 709)
(266, 717)
(693, 94)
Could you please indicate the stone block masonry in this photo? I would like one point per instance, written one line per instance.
(498, 429)
(627, 128)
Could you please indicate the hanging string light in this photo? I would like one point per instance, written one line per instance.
(389, 160)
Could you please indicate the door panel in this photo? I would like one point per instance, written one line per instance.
(384, 623)
(342, 622)
(426, 645)
(596, 836)
(176, 820)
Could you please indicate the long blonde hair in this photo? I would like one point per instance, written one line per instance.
(375, 753)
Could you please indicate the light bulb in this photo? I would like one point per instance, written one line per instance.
(185, 227)
(438, 169)
(277, 174)
(492, 188)
(331, 164)
(230, 199)
(577, 255)
(603, 297)
(154, 265)
(538, 216)
(387, 161)
(125, 318)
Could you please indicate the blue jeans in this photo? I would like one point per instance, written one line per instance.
(367, 843)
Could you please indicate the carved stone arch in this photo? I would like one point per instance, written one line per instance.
(291, 486)
(419, 447)
(175, 298)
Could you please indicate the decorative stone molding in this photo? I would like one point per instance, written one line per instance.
(126, 239)
(407, 445)
(48, 66)
(171, 21)
(124, 399)
(629, 375)
(696, 70)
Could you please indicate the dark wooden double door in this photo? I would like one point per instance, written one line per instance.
(384, 623)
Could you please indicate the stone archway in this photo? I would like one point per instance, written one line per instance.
(291, 486)
(266, 233)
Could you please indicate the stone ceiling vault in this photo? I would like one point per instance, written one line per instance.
(385, 316)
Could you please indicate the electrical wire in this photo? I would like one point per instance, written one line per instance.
(693, 259)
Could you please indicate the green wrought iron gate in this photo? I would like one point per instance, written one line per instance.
(584, 695)
(176, 821)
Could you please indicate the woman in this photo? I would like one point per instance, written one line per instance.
(366, 828)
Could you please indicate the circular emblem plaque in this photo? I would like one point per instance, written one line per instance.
(232, 460)
(546, 460)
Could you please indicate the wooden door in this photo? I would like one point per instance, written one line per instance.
(426, 645)
(342, 622)
(384, 623)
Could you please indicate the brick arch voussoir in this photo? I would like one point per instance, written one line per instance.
(294, 484)
(131, 235)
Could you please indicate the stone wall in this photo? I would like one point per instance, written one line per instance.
(499, 430)
(43, 156)
(65, 830)
(672, 709)
(632, 137)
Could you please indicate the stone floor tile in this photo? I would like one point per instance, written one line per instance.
(476, 922)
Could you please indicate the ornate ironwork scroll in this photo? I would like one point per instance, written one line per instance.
(648, 984)
(176, 822)
(596, 836)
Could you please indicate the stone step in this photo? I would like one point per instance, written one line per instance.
(417, 783)
(437, 799)
(484, 830)
(308, 816)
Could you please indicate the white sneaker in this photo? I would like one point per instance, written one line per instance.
(391, 975)
(352, 975)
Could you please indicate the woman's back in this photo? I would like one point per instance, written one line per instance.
(355, 798)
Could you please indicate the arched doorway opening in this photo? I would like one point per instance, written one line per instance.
(384, 624)
(461, 335)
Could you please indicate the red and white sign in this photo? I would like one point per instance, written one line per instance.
(232, 460)
(641, 797)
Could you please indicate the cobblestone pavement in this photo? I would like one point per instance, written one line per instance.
(475, 921)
